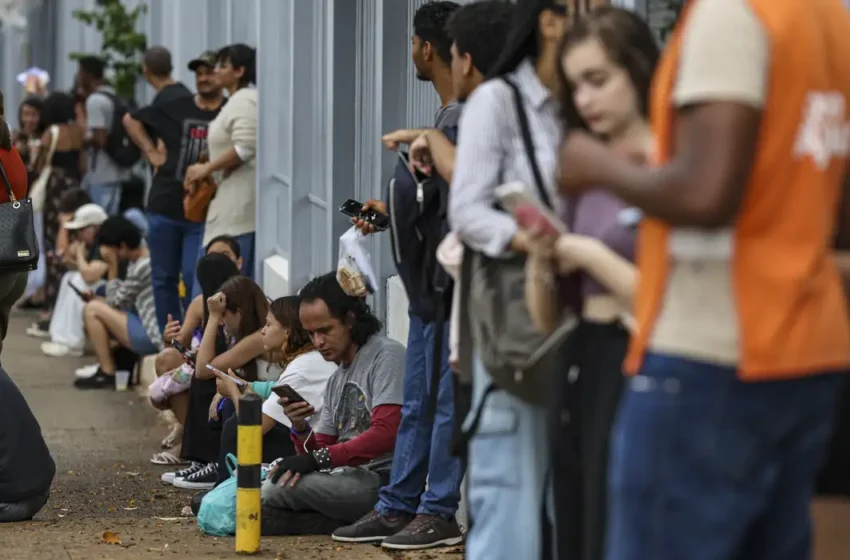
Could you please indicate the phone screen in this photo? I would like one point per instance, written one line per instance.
(289, 393)
(351, 208)
(219, 372)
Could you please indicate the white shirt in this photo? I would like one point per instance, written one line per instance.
(308, 375)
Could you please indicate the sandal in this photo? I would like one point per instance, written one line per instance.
(171, 440)
(167, 458)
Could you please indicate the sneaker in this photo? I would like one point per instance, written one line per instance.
(99, 380)
(170, 477)
(372, 527)
(425, 531)
(39, 330)
(86, 371)
(204, 479)
(58, 350)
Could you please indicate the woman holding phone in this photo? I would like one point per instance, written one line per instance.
(606, 64)
(305, 376)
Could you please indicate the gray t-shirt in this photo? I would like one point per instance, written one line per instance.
(373, 379)
(99, 114)
(448, 116)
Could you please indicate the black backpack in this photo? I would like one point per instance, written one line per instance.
(419, 222)
(119, 146)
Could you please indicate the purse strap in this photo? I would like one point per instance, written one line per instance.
(54, 139)
(525, 132)
(6, 183)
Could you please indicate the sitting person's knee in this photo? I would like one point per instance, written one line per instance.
(168, 360)
(93, 307)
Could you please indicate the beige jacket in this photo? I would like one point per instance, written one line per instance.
(233, 210)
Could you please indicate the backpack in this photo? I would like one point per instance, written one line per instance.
(119, 146)
(495, 316)
(418, 213)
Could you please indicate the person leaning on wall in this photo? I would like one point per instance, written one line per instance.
(12, 284)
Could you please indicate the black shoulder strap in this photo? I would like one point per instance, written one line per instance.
(6, 184)
(525, 131)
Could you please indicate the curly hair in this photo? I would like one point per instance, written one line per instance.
(298, 340)
(343, 307)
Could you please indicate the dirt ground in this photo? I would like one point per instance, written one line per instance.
(101, 442)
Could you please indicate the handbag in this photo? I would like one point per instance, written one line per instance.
(18, 242)
(518, 358)
(38, 190)
(195, 203)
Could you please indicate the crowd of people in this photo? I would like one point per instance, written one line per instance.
(627, 322)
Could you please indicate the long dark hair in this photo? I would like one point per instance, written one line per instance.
(58, 108)
(628, 42)
(345, 308)
(243, 294)
(298, 340)
(213, 271)
(36, 103)
(523, 39)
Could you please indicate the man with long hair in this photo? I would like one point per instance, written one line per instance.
(345, 454)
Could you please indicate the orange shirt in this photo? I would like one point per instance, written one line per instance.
(16, 171)
(789, 300)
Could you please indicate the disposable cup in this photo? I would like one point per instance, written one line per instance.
(122, 380)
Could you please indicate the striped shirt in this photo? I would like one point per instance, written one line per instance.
(490, 152)
(136, 292)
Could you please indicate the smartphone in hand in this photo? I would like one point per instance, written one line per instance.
(287, 392)
(354, 209)
(187, 355)
(220, 373)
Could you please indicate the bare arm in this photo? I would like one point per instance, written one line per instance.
(194, 318)
(442, 154)
(540, 292)
(137, 133)
(91, 271)
(243, 352)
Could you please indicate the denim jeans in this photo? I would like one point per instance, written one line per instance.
(173, 246)
(246, 248)
(706, 467)
(423, 444)
(508, 476)
(106, 195)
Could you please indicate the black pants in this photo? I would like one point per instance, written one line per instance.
(588, 396)
(201, 438)
(276, 443)
(834, 478)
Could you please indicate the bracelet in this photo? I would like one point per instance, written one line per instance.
(296, 433)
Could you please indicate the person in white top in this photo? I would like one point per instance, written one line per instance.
(305, 371)
(232, 144)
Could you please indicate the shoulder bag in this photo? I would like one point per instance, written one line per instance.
(18, 242)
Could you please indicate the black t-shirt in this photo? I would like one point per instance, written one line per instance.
(26, 467)
(182, 126)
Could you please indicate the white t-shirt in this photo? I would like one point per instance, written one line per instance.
(308, 375)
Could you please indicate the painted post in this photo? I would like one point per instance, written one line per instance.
(249, 454)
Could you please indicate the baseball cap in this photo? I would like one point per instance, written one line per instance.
(206, 58)
(87, 215)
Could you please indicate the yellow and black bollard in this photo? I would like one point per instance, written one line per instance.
(249, 454)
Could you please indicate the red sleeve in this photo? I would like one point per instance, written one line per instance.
(17, 173)
(376, 441)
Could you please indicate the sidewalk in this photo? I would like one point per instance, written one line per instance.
(101, 442)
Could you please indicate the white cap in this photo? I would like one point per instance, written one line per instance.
(87, 215)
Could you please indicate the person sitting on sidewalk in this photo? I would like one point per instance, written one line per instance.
(345, 458)
(137, 330)
(26, 467)
(86, 271)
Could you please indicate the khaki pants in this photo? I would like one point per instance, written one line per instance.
(12, 286)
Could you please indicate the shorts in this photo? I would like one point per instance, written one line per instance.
(140, 343)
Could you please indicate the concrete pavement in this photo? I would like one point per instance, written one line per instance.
(102, 441)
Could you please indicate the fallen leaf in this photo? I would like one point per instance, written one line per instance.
(60, 515)
(111, 537)
(132, 503)
(111, 509)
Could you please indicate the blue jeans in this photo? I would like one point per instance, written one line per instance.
(508, 482)
(106, 195)
(423, 444)
(246, 247)
(706, 467)
(173, 247)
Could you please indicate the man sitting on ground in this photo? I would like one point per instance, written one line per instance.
(26, 467)
(345, 458)
(127, 313)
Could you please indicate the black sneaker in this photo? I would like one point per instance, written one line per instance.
(425, 531)
(170, 477)
(99, 380)
(372, 527)
(203, 479)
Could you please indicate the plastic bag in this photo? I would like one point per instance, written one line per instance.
(217, 515)
(354, 269)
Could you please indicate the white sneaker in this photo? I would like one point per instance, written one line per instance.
(58, 350)
(204, 479)
(36, 331)
(86, 371)
(170, 477)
